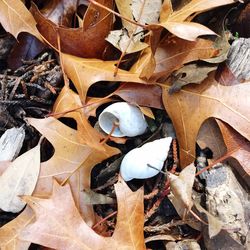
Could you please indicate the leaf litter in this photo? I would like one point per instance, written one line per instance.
(156, 61)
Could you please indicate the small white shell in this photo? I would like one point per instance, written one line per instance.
(131, 120)
(134, 164)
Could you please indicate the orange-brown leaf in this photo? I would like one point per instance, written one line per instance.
(89, 41)
(189, 108)
(173, 52)
(239, 148)
(85, 72)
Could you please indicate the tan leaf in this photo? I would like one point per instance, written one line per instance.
(182, 186)
(191, 73)
(73, 157)
(15, 18)
(9, 233)
(175, 22)
(64, 228)
(85, 72)
(197, 6)
(91, 197)
(19, 178)
(190, 107)
(214, 224)
(121, 40)
(187, 30)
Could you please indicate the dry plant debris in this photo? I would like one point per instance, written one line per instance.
(62, 63)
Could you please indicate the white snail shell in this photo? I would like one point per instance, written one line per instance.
(130, 119)
(135, 163)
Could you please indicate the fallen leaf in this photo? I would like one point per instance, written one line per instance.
(141, 94)
(60, 12)
(15, 18)
(186, 30)
(176, 22)
(9, 233)
(73, 158)
(88, 41)
(190, 107)
(191, 73)
(64, 228)
(27, 48)
(121, 40)
(239, 148)
(214, 224)
(19, 178)
(174, 52)
(210, 136)
(150, 12)
(85, 72)
(181, 186)
(197, 6)
(91, 197)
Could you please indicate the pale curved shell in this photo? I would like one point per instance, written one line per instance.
(130, 118)
(134, 164)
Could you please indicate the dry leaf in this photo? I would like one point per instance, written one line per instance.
(72, 156)
(197, 6)
(60, 12)
(90, 197)
(214, 224)
(15, 18)
(190, 107)
(121, 40)
(9, 233)
(85, 72)
(64, 228)
(89, 41)
(141, 94)
(175, 22)
(182, 186)
(19, 178)
(174, 52)
(210, 136)
(239, 148)
(191, 73)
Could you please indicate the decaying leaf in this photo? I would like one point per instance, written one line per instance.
(60, 12)
(9, 233)
(18, 20)
(19, 178)
(182, 185)
(210, 136)
(85, 72)
(141, 94)
(121, 40)
(214, 224)
(190, 107)
(172, 53)
(239, 148)
(191, 73)
(91, 197)
(64, 228)
(88, 41)
(176, 22)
